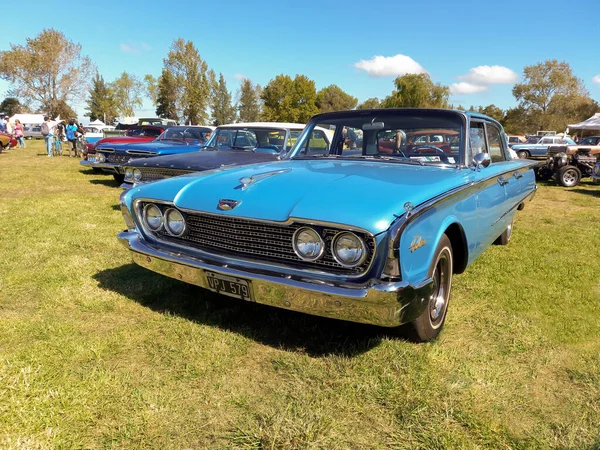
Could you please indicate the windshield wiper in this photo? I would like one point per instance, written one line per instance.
(318, 157)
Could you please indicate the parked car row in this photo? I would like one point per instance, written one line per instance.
(302, 217)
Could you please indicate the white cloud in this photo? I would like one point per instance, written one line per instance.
(385, 66)
(596, 79)
(239, 76)
(486, 75)
(466, 88)
(134, 48)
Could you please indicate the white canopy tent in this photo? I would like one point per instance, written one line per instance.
(593, 123)
(97, 123)
(28, 119)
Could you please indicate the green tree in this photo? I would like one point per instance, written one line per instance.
(166, 96)
(127, 91)
(101, 102)
(333, 98)
(417, 91)
(193, 80)
(151, 84)
(48, 71)
(548, 90)
(249, 106)
(492, 111)
(11, 106)
(370, 103)
(64, 111)
(519, 120)
(288, 100)
(223, 111)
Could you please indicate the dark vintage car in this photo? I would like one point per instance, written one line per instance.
(569, 164)
(110, 157)
(136, 133)
(237, 144)
(351, 232)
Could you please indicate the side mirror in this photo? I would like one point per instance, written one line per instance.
(480, 160)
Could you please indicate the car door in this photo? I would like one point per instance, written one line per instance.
(496, 185)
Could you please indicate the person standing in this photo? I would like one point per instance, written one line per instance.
(70, 131)
(46, 128)
(19, 133)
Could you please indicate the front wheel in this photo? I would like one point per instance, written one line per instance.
(523, 154)
(429, 324)
(568, 176)
(504, 238)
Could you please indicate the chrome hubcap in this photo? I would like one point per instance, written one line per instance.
(439, 296)
(569, 177)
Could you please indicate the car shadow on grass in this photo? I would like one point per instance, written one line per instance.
(593, 193)
(108, 182)
(278, 328)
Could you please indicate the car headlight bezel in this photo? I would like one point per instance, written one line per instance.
(167, 223)
(317, 242)
(146, 215)
(136, 174)
(360, 246)
(128, 173)
(100, 157)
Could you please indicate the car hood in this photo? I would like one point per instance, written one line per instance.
(363, 194)
(204, 160)
(152, 146)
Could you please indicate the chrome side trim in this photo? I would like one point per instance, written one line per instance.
(392, 268)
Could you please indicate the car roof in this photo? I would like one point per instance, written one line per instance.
(263, 125)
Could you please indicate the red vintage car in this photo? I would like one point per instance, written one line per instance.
(138, 133)
(7, 141)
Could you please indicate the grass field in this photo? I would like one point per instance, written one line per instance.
(96, 352)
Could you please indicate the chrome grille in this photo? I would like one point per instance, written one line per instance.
(260, 241)
(159, 173)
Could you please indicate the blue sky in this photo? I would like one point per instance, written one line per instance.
(478, 48)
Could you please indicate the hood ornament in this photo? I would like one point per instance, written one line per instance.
(227, 205)
(247, 181)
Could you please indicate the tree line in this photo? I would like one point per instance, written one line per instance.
(49, 73)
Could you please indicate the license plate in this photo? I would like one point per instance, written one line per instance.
(232, 286)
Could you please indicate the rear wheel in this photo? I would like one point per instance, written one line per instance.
(523, 154)
(429, 324)
(568, 176)
(504, 238)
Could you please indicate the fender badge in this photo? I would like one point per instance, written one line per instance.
(417, 243)
(227, 205)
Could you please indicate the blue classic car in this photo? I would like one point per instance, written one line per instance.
(111, 156)
(368, 230)
(541, 148)
(240, 143)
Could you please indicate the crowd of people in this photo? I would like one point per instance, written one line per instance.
(54, 132)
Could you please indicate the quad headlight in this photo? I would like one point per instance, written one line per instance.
(561, 159)
(100, 157)
(174, 222)
(128, 173)
(153, 217)
(308, 244)
(137, 174)
(348, 249)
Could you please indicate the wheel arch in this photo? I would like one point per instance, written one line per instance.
(460, 252)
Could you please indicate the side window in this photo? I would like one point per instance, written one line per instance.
(495, 143)
(477, 142)
(317, 144)
(351, 141)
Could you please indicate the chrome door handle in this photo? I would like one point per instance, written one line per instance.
(502, 181)
(517, 175)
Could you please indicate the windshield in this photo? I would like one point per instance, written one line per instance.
(592, 140)
(410, 136)
(185, 134)
(151, 132)
(267, 140)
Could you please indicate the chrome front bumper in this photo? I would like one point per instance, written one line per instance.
(374, 302)
(107, 167)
